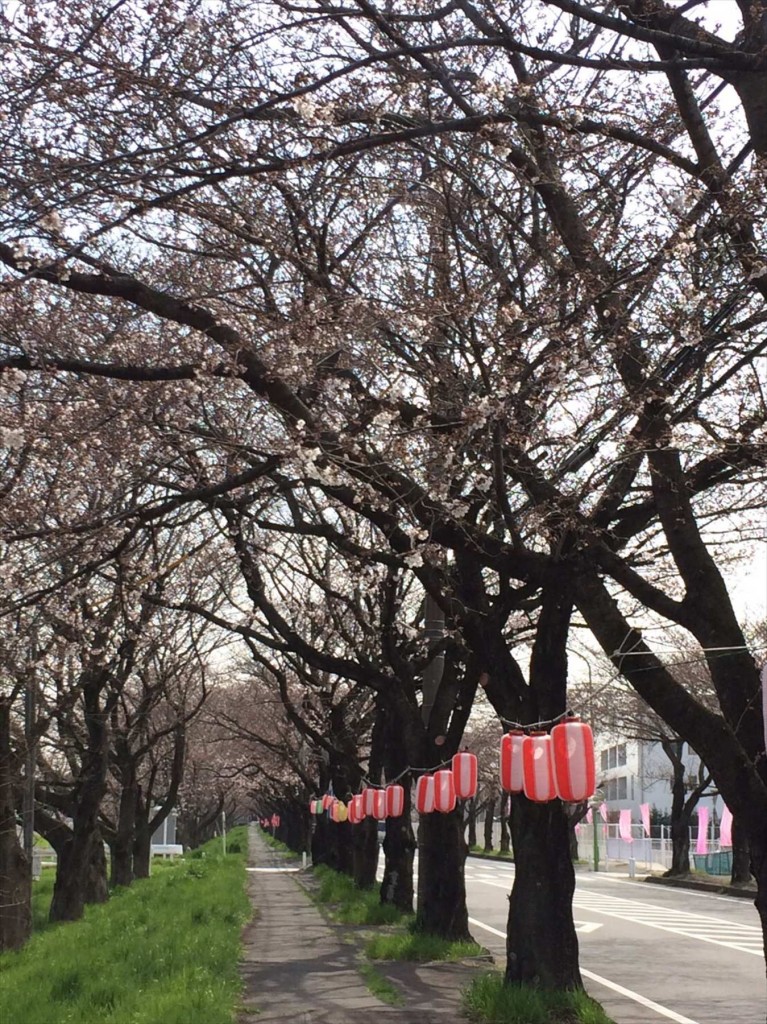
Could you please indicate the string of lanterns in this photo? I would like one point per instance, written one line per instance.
(544, 766)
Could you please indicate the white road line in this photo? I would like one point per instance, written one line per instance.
(742, 938)
(626, 992)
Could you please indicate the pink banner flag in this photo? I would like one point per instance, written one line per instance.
(578, 829)
(624, 826)
(701, 846)
(590, 815)
(644, 810)
(603, 811)
(725, 827)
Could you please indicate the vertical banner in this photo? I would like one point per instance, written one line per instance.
(644, 810)
(701, 846)
(725, 827)
(624, 826)
(590, 815)
(603, 811)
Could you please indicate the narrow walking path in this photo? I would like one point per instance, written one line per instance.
(298, 967)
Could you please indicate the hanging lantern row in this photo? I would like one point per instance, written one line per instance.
(543, 766)
(546, 766)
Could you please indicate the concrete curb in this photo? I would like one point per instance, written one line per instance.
(489, 856)
(700, 886)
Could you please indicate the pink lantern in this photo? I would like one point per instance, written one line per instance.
(379, 804)
(512, 775)
(424, 794)
(538, 768)
(465, 775)
(360, 803)
(311, 807)
(395, 801)
(327, 800)
(574, 768)
(355, 810)
(368, 801)
(444, 791)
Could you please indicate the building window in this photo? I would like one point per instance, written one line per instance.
(604, 761)
(621, 754)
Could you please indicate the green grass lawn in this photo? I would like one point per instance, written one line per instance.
(419, 946)
(163, 951)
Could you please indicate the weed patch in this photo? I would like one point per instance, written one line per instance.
(488, 1001)
(349, 904)
(381, 987)
(419, 946)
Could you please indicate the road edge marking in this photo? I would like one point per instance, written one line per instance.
(627, 992)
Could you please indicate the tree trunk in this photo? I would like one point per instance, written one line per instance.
(505, 846)
(680, 822)
(15, 869)
(364, 852)
(142, 850)
(441, 886)
(399, 849)
(541, 944)
(489, 815)
(79, 862)
(472, 810)
(96, 889)
(122, 845)
(741, 854)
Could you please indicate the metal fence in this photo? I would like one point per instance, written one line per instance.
(649, 854)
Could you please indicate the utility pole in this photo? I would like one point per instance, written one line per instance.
(28, 805)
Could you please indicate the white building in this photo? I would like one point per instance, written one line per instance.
(634, 772)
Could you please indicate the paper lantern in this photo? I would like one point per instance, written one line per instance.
(354, 810)
(512, 774)
(368, 801)
(465, 775)
(574, 768)
(338, 812)
(444, 791)
(395, 801)
(315, 807)
(379, 804)
(327, 800)
(538, 768)
(424, 794)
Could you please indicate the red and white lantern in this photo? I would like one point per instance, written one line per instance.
(379, 804)
(538, 768)
(395, 801)
(465, 775)
(327, 800)
(512, 773)
(356, 814)
(444, 791)
(368, 801)
(424, 794)
(574, 767)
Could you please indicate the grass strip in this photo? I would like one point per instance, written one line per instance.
(381, 987)
(349, 904)
(163, 951)
(498, 854)
(419, 946)
(488, 1001)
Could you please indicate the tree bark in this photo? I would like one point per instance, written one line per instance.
(741, 854)
(489, 816)
(541, 944)
(15, 869)
(79, 861)
(399, 850)
(363, 846)
(505, 844)
(122, 844)
(472, 823)
(441, 886)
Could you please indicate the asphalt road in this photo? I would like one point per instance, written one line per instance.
(649, 954)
